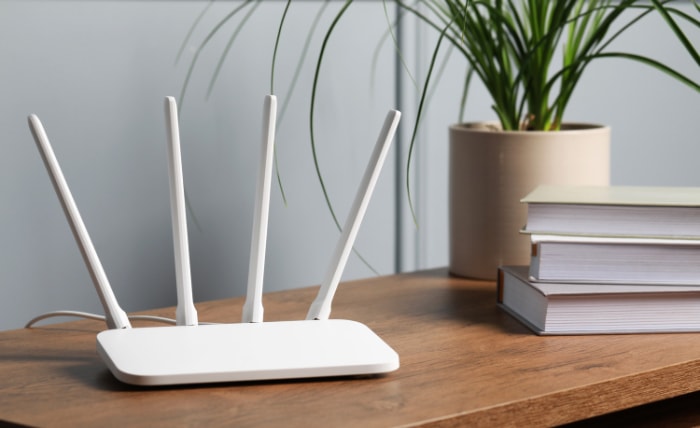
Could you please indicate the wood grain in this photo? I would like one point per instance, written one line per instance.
(463, 362)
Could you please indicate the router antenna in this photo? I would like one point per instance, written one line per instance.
(321, 307)
(253, 307)
(186, 314)
(115, 316)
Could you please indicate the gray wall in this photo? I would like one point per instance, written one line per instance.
(96, 73)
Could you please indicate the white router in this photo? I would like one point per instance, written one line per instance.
(252, 350)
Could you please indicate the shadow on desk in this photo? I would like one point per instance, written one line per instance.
(478, 306)
(682, 411)
(433, 297)
(5, 424)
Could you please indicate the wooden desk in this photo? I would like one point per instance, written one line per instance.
(463, 362)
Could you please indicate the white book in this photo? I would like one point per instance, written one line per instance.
(627, 260)
(570, 309)
(614, 210)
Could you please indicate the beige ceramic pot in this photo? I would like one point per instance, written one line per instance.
(491, 170)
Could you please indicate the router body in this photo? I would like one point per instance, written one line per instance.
(244, 352)
(252, 350)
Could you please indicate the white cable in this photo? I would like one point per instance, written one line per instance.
(97, 317)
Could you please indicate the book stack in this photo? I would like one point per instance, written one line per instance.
(612, 259)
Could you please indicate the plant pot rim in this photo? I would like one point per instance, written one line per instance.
(489, 127)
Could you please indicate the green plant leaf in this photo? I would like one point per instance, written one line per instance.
(225, 53)
(194, 25)
(203, 44)
(314, 89)
(421, 104)
(277, 44)
(655, 64)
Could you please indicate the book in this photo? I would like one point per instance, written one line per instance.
(614, 210)
(627, 260)
(573, 309)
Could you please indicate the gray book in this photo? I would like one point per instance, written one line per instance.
(573, 309)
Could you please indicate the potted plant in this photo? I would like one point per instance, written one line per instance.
(512, 48)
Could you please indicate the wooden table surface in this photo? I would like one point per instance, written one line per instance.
(463, 362)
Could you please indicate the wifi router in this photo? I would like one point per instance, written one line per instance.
(244, 352)
(252, 350)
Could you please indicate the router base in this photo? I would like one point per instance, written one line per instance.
(244, 352)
